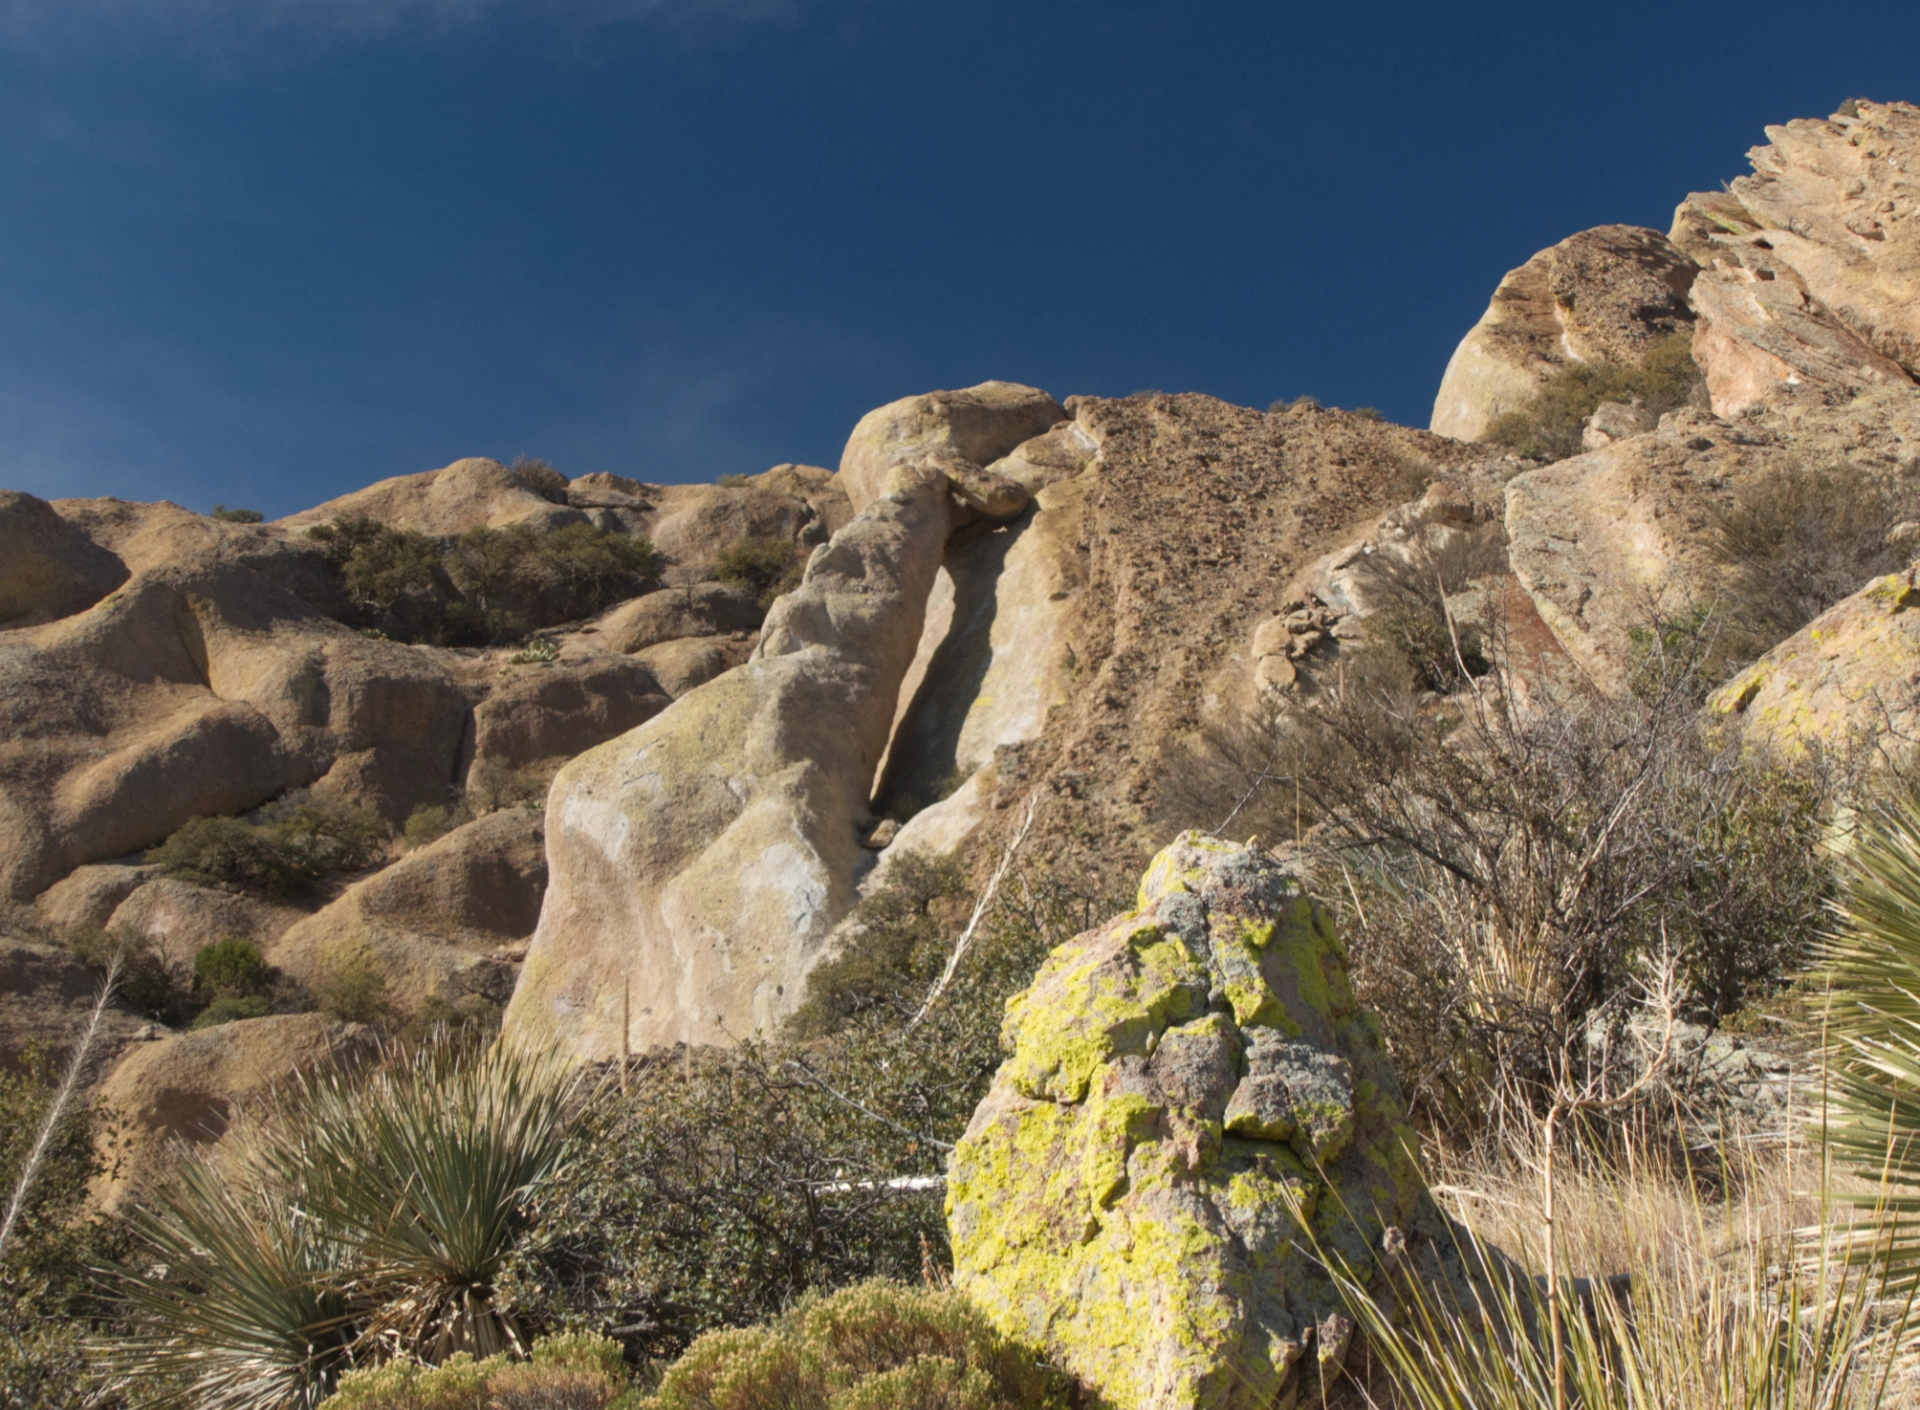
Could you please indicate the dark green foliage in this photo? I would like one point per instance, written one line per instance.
(46, 1290)
(1797, 541)
(875, 1346)
(722, 1184)
(352, 987)
(235, 516)
(294, 843)
(491, 585)
(764, 567)
(1550, 428)
(426, 824)
(148, 982)
(231, 969)
(232, 1009)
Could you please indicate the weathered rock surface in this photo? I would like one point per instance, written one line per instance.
(473, 493)
(191, 1087)
(48, 568)
(564, 709)
(1180, 1080)
(695, 610)
(1848, 678)
(1833, 201)
(441, 922)
(46, 999)
(690, 662)
(181, 918)
(975, 426)
(1604, 295)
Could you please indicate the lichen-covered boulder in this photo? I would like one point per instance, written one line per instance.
(1187, 1083)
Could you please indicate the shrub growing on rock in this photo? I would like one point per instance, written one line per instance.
(1551, 427)
(231, 969)
(235, 516)
(539, 477)
(433, 821)
(148, 981)
(565, 1372)
(293, 843)
(514, 579)
(764, 567)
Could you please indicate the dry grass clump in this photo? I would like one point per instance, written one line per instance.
(569, 1372)
(1683, 1299)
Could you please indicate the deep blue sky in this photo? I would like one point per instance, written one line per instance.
(266, 252)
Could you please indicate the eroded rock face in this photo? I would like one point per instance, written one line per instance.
(1850, 676)
(976, 426)
(48, 568)
(1604, 295)
(1179, 1080)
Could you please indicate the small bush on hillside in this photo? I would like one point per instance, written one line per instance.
(236, 516)
(1551, 427)
(434, 821)
(1410, 615)
(494, 783)
(231, 969)
(1798, 541)
(514, 579)
(295, 842)
(725, 1183)
(352, 987)
(876, 1346)
(764, 567)
(149, 982)
(540, 477)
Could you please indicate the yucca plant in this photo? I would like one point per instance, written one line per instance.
(1872, 1109)
(243, 1301)
(429, 1170)
(368, 1216)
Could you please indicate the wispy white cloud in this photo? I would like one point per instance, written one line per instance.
(225, 26)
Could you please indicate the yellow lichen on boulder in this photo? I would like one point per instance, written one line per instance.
(1184, 1084)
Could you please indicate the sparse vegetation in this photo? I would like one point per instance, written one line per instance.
(432, 822)
(293, 843)
(236, 516)
(764, 567)
(494, 784)
(1797, 541)
(145, 979)
(540, 477)
(1551, 427)
(352, 986)
(489, 586)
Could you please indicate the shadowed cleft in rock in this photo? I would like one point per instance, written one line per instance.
(1187, 1083)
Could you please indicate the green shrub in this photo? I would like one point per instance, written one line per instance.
(231, 969)
(734, 482)
(727, 1182)
(236, 516)
(352, 987)
(232, 1009)
(294, 843)
(875, 1346)
(149, 982)
(566, 1372)
(1551, 426)
(494, 783)
(764, 567)
(434, 821)
(513, 579)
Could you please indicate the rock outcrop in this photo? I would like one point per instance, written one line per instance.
(700, 861)
(1850, 678)
(1181, 1081)
(1604, 295)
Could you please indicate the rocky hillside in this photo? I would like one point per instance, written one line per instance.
(620, 758)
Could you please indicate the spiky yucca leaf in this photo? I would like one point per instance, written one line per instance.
(1872, 1111)
(241, 1305)
(429, 1170)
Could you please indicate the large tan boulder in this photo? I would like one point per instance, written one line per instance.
(692, 524)
(442, 922)
(88, 896)
(977, 426)
(1604, 295)
(559, 710)
(675, 613)
(48, 568)
(181, 918)
(188, 1089)
(1180, 1082)
(472, 493)
(699, 862)
(1845, 680)
(690, 662)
